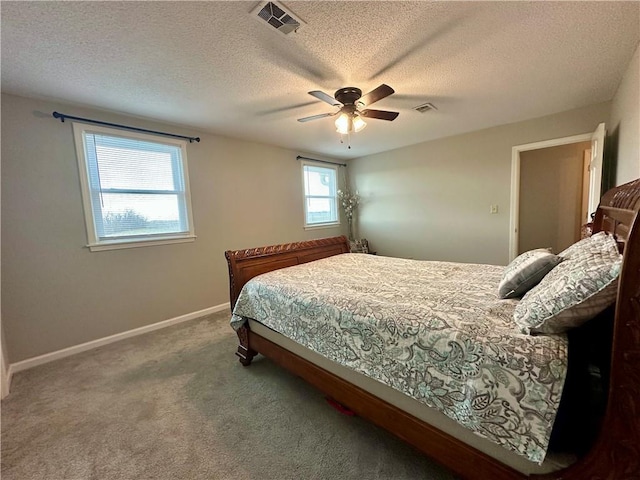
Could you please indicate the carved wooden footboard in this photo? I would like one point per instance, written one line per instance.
(248, 263)
(615, 453)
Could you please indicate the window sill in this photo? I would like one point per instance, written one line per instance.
(120, 244)
(322, 225)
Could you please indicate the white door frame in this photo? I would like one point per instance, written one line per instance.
(5, 374)
(595, 166)
(515, 181)
(5, 379)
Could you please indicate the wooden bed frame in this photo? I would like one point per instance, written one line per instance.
(616, 452)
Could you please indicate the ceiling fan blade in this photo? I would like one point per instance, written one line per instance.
(325, 98)
(376, 94)
(380, 114)
(273, 111)
(316, 117)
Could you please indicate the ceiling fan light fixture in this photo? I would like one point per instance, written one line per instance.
(358, 123)
(347, 123)
(344, 124)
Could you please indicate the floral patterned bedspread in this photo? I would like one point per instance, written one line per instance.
(435, 331)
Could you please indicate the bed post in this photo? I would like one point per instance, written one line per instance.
(245, 353)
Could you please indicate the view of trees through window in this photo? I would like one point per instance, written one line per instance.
(130, 222)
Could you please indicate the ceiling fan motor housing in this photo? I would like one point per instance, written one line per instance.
(348, 95)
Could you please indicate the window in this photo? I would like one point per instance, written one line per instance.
(135, 188)
(320, 195)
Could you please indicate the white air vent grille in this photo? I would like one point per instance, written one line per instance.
(425, 107)
(276, 15)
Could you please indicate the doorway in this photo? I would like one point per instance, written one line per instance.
(552, 183)
(589, 182)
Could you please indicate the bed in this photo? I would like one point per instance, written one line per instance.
(509, 438)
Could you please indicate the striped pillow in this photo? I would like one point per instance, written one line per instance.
(525, 272)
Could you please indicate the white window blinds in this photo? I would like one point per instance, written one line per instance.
(137, 188)
(320, 192)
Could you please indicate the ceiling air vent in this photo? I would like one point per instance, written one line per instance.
(425, 107)
(276, 15)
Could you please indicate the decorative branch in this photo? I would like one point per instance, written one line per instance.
(349, 202)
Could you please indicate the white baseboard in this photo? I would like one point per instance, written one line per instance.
(83, 347)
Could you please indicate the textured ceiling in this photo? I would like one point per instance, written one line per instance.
(211, 66)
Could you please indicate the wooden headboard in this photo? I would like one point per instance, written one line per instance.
(617, 210)
(246, 264)
(616, 453)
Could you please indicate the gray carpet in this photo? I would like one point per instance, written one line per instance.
(176, 404)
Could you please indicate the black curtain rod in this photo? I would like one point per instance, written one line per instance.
(62, 118)
(299, 157)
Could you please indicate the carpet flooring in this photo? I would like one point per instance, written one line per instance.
(176, 404)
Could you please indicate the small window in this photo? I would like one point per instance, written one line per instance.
(320, 195)
(135, 188)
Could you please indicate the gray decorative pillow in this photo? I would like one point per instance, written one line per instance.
(525, 272)
(579, 288)
(359, 246)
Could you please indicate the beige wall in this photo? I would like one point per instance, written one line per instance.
(432, 200)
(624, 126)
(551, 197)
(55, 293)
(429, 200)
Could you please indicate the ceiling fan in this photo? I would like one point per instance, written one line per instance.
(351, 101)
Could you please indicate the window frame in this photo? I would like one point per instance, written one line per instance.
(317, 225)
(95, 243)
